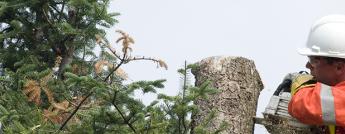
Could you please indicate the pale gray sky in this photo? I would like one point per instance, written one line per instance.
(266, 31)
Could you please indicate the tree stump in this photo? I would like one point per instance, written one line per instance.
(239, 84)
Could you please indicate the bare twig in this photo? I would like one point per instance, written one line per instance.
(61, 12)
(141, 58)
(118, 66)
(52, 12)
(46, 17)
(169, 110)
(126, 40)
(159, 62)
(111, 50)
(54, 8)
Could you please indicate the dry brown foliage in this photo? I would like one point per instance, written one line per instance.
(99, 39)
(33, 90)
(103, 63)
(163, 64)
(121, 73)
(126, 41)
(77, 69)
(57, 112)
(100, 64)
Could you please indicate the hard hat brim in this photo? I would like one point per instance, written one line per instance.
(309, 52)
(306, 52)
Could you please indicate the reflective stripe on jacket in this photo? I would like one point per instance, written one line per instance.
(319, 105)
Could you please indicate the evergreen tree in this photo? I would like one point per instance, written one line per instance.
(53, 82)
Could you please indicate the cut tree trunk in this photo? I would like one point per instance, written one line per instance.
(239, 84)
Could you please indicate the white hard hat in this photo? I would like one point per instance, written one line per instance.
(326, 38)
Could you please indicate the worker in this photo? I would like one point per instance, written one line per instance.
(319, 98)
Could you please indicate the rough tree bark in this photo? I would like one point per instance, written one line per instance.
(239, 84)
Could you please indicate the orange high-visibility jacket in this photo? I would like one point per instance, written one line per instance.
(319, 105)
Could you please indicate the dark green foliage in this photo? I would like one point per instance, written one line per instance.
(55, 83)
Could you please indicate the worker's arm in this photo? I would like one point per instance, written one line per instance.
(305, 104)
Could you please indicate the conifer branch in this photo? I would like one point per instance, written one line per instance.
(179, 124)
(74, 112)
(149, 126)
(122, 115)
(83, 59)
(75, 18)
(183, 96)
(76, 105)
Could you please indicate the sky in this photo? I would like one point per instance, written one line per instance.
(265, 31)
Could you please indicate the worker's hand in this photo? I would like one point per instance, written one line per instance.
(285, 85)
(300, 81)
